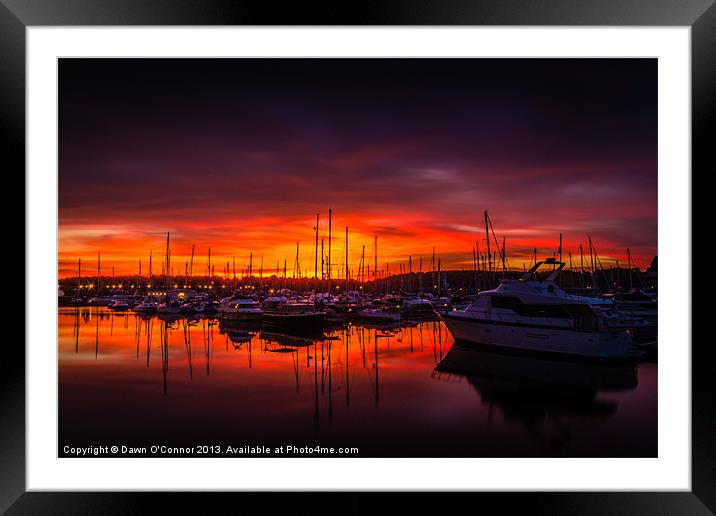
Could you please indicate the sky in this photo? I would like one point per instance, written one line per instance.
(239, 155)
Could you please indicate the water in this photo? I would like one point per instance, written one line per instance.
(140, 381)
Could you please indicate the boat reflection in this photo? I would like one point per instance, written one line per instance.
(326, 354)
(371, 338)
(353, 382)
(541, 394)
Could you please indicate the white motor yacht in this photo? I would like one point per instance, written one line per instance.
(534, 315)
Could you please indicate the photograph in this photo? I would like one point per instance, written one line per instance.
(383, 257)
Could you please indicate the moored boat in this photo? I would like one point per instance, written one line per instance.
(378, 315)
(417, 307)
(539, 316)
(291, 314)
(147, 307)
(240, 308)
(99, 301)
(120, 305)
(169, 308)
(636, 303)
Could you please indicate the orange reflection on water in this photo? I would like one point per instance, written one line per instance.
(392, 392)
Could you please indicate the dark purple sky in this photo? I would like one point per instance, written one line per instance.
(240, 154)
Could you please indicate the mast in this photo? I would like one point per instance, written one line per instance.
(375, 262)
(599, 265)
(591, 259)
(487, 237)
(261, 274)
(166, 272)
(330, 221)
(631, 285)
(98, 276)
(488, 222)
(296, 266)
(79, 275)
(346, 259)
(362, 262)
(581, 266)
(474, 265)
(150, 267)
(480, 270)
(504, 266)
(611, 279)
(315, 265)
(439, 285)
(191, 261)
(560, 247)
(410, 273)
(322, 258)
(432, 268)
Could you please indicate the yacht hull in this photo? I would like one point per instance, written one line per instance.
(564, 341)
(419, 314)
(294, 321)
(378, 318)
(144, 310)
(169, 310)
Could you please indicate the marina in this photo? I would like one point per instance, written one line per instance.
(548, 309)
(554, 360)
(402, 257)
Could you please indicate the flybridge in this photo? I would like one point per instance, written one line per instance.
(531, 275)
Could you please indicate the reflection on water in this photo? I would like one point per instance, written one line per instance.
(404, 390)
(537, 393)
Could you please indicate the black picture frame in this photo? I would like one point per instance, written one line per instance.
(17, 15)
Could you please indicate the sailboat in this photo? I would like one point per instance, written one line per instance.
(169, 306)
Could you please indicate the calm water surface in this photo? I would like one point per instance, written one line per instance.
(409, 391)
